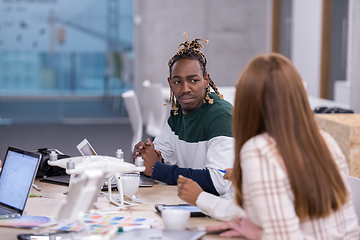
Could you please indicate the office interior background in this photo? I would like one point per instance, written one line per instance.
(64, 64)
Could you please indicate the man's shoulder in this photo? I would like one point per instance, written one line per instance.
(220, 106)
(219, 110)
(218, 118)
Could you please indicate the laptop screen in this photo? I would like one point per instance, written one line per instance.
(17, 176)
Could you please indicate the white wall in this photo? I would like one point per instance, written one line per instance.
(353, 55)
(237, 30)
(306, 45)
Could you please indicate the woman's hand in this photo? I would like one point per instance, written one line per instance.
(241, 227)
(188, 190)
(227, 175)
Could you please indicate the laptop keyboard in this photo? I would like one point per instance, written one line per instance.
(113, 180)
(5, 211)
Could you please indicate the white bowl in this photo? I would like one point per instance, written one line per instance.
(175, 219)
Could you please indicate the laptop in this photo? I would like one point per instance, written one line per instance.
(86, 149)
(16, 178)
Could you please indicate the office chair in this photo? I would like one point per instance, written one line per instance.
(154, 110)
(145, 111)
(133, 109)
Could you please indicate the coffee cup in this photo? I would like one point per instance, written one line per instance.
(175, 219)
(130, 182)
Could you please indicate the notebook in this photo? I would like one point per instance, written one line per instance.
(16, 177)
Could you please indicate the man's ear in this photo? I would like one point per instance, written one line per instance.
(206, 80)
(169, 82)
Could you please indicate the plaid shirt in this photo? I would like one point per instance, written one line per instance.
(269, 200)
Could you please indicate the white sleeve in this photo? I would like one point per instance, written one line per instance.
(219, 208)
(164, 143)
(220, 155)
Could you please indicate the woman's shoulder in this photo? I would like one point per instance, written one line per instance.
(259, 154)
(261, 147)
(258, 142)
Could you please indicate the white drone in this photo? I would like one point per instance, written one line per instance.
(109, 166)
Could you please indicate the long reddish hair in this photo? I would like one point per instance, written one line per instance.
(270, 97)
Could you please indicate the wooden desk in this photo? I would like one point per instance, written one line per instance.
(159, 193)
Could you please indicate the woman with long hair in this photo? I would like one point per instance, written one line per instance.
(289, 177)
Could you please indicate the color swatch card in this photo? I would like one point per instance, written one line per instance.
(104, 223)
(27, 222)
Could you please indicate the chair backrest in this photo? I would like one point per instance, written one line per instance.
(157, 113)
(355, 187)
(133, 109)
(144, 110)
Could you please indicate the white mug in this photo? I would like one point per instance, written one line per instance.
(130, 182)
(175, 219)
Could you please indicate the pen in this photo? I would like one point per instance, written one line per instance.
(36, 187)
(128, 228)
(39, 195)
(223, 171)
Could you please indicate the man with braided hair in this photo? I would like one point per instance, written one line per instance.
(196, 140)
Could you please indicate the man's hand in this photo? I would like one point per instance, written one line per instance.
(149, 155)
(188, 190)
(242, 227)
(138, 147)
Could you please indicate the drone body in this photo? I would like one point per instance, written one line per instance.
(109, 166)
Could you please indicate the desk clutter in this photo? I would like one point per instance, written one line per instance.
(104, 220)
(86, 211)
(105, 224)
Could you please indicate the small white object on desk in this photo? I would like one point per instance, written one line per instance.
(175, 219)
(36, 187)
(120, 154)
(130, 182)
(139, 162)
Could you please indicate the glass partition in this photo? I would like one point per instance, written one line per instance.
(64, 61)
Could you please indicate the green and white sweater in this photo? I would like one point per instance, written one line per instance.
(196, 145)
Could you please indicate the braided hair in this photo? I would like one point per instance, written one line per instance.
(192, 50)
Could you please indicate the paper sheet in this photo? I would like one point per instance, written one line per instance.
(98, 223)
